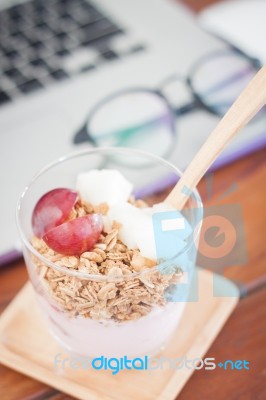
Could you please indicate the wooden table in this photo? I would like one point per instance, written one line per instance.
(243, 337)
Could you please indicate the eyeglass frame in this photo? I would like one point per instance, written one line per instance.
(83, 135)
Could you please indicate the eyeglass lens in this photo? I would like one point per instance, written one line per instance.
(135, 119)
(219, 79)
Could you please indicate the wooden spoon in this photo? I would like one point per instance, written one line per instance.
(250, 101)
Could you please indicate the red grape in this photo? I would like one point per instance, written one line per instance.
(52, 209)
(75, 236)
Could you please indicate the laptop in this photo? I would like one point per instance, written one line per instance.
(58, 58)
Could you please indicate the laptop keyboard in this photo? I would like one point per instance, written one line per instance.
(47, 41)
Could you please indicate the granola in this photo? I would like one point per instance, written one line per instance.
(125, 285)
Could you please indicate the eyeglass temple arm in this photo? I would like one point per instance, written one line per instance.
(83, 135)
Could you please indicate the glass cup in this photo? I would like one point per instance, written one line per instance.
(127, 312)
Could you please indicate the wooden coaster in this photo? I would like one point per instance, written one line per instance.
(26, 346)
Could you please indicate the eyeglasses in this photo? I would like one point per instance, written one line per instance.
(143, 118)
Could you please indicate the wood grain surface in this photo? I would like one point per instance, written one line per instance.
(243, 337)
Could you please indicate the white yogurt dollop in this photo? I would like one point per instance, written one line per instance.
(103, 186)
